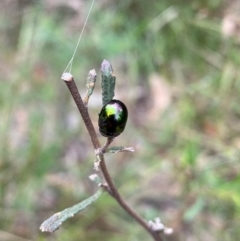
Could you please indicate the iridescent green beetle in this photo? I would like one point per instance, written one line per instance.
(112, 118)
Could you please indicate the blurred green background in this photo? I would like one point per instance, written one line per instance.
(177, 67)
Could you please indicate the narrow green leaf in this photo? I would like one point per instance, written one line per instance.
(116, 149)
(108, 82)
(55, 221)
(91, 79)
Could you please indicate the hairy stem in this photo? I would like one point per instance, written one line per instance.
(68, 79)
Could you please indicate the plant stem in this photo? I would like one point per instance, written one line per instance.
(68, 79)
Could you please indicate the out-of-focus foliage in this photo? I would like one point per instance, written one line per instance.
(177, 67)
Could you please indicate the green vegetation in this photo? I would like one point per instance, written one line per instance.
(177, 67)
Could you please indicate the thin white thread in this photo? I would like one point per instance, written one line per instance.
(80, 36)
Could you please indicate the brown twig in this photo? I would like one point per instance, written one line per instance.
(68, 79)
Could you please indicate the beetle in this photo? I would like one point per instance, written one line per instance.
(112, 118)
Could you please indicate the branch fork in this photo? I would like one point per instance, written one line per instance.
(109, 186)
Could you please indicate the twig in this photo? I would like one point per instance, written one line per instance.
(68, 79)
(104, 148)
